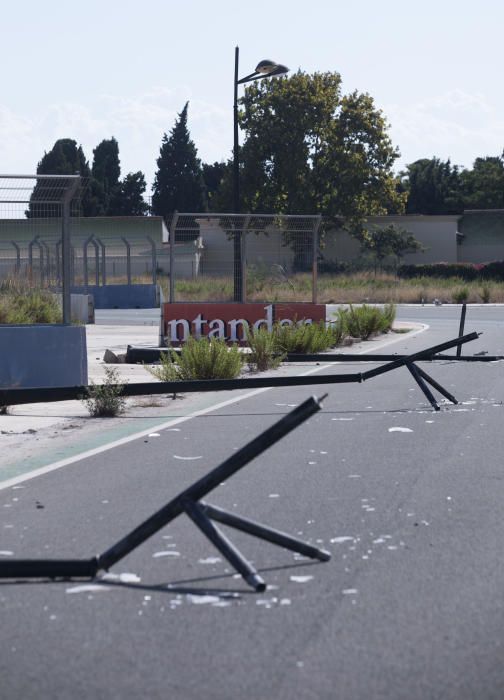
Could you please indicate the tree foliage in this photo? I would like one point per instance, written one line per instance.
(483, 186)
(214, 175)
(178, 184)
(129, 200)
(433, 187)
(65, 158)
(382, 241)
(309, 149)
(104, 194)
(106, 172)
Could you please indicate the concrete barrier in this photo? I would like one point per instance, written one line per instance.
(43, 355)
(123, 296)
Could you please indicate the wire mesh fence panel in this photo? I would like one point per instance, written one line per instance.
(243, 257)
(103, 250)
(35, 237)
(31, 214)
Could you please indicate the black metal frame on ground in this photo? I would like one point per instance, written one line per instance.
(11, 397)
(201, 513)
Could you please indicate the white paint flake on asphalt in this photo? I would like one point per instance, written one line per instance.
(122, 578)
(210, 560)
(88, 588)
(300, 579)
(187, 459)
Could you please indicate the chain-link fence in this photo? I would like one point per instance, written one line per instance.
(102, 250)
(247, 257)
(35, 220)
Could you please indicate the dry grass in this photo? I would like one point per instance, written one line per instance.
(358, 288)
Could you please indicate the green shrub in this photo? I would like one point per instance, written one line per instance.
(105, 400)
(22, 304)
(199, 359)
(464, 271)
(365, 321)
(309, 338)
(460, 296)
(485, 293)
(265, 350)
(389, 314)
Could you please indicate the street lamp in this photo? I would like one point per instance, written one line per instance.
(264, 69)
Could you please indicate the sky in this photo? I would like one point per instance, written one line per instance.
(125, 68)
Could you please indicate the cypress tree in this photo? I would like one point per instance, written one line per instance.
(178, 184)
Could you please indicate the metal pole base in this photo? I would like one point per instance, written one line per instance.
(202, 514)
(421, 378)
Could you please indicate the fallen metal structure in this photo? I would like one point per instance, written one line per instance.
(12, 397)
(203, 515)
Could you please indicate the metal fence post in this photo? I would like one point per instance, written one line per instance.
(173, 228)
(243, 258)
(128, 259)
(66, 248)
(315, 249)
(103, 261)
(153, 258)
(18, 257)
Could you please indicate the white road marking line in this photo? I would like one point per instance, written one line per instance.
(169, 424)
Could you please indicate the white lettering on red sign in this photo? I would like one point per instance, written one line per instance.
(225, 330)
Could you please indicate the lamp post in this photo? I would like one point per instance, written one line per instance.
(264, 69)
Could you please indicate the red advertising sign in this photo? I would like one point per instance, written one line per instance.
(230, 321)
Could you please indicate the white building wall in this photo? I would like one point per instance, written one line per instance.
(438, 235)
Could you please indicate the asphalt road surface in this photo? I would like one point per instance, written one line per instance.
(408, 501)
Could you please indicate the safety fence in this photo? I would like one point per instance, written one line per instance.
(94, 260)
(247, 257)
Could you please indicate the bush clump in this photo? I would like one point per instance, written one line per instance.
(105, 400)
(310, 337)
(265, 349)
(199, 359)
(365, 321)
(467, 272)
(21, 304)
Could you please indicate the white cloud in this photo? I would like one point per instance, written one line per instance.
(456, 125)
(137, 122)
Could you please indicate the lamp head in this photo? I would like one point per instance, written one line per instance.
(268, 67)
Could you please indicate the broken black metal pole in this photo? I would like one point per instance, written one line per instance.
(13, 397)
(423, 386)
(200, 513)
(416, 356)
(461, 327)
(224, 545)
(49, 568)
(421, 377)
(264, 532)
(208, 482)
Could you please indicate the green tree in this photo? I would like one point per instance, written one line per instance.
(178, 184)
(106, 172)
(308, 150)
(213, 177)
(383, 241)
(483, 186)
(433, 186)
(129, 200)
(64, 158)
